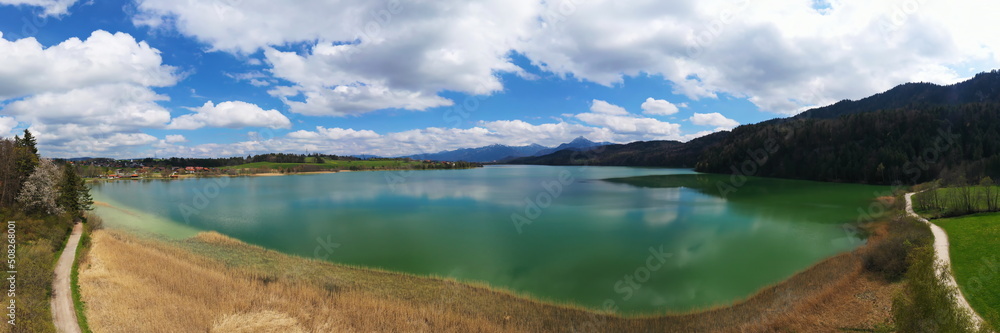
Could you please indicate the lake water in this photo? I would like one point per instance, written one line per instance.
(645, 245)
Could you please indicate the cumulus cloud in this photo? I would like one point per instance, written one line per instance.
(85, 96)
(356, 56)
(659, 107)
(70, 118)
(232, 114)
(362, 55)
(50, 7)
(713, 119)
(7, 125)
(600, 106)
(27, 68)
(630, 124)
(619, 120)
(777, 54)
(333, 134)
(175, 138)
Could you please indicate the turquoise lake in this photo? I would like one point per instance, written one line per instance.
(667, 242)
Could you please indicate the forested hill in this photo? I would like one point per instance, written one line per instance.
(673, 154)
(909, 145)
(912, 133)
(983, 88)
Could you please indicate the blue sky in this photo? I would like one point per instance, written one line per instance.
(233, 77)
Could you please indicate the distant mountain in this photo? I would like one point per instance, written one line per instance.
(674, 154)
(577, 144)
(490, 153)
(498, 152)
(881, 139)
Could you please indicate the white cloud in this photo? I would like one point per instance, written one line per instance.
(778, 54)
(620, 121)
(659, 107)
(397, 54)
(7, 125)
(713, 119)
(333, 134)
(600, 106)
(27, 68)
(51, 7)
(62, 121)
(353, 99)
(85, 96)
(232, 114)
(632, 125)
(175, 138)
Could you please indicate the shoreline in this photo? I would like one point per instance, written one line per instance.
(795, 296)
(261, 174)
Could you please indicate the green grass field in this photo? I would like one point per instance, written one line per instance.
(975, 255)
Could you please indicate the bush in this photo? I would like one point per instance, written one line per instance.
(92, 222)
(926, 304)
(888, 258)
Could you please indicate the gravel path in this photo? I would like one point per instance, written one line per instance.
(943, 257)
(63, 312)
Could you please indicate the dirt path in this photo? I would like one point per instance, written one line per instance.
(63, 312)
(943, 257)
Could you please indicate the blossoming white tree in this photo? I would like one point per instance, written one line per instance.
(39, 192)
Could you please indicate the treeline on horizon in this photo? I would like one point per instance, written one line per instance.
(252, 164)
(902, 146)
(227, 161)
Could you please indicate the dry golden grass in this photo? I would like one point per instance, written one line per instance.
(212, 237)
(130, 286)
(217, 284)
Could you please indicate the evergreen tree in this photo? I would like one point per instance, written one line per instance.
(28, 142)
(74, 194)
(25, 157)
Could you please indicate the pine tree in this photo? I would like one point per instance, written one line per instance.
(28, 142)
(74, 194)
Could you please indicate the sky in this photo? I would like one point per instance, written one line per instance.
(212, 78)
